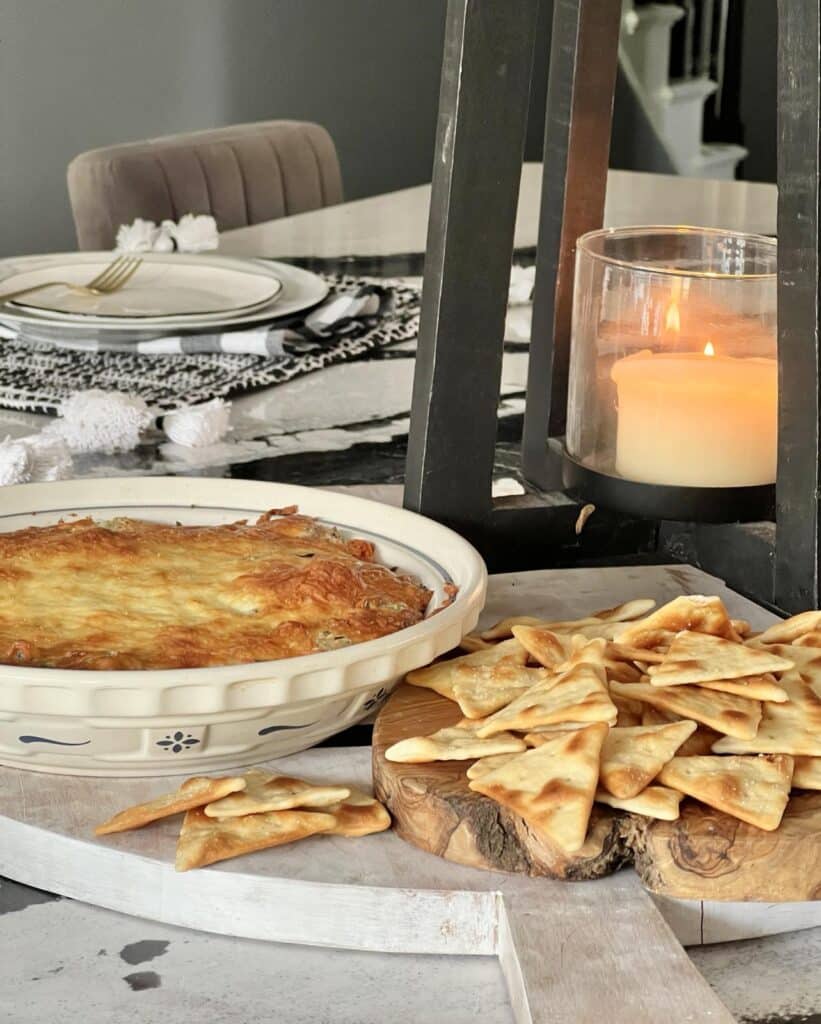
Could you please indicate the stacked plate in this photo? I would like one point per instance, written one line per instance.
(170, 293)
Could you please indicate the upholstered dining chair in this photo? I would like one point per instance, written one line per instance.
(241, 174)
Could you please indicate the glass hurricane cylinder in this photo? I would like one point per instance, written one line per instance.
(673, 369)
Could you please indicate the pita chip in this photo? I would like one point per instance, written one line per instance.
(439, 676)
(792, 629)
(548, 648)
(598, 620)
(503, 629)
(688, 612)
(205, 840)
(559, 652)
(653, 802)
(795, 726)
(752, 789)
(700, 657)
(625, 652)
(483, 689)
(812, 639)
(192, 793)
(807, 773)
(488, 764)
(632, 758)
(701, 742)
(551, 787)
(459, 742)
(724, 712)
(472, 642)
(654, 716)
(755, 687)
(578, 695)
(544, 732)
(626, 719)
(358, 815)
(265, 792)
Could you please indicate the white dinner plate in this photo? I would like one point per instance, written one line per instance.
(300, 290)
(164, 285)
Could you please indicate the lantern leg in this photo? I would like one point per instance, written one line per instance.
(798, 516)
(483, 106)
(581, 84)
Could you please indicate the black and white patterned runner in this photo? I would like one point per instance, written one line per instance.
(360, 315)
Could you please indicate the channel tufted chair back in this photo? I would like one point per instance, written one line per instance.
(242, 174)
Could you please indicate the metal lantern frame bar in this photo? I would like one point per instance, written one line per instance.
(483, 108)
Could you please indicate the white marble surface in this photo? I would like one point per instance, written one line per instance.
(80, 965)
(396, 223)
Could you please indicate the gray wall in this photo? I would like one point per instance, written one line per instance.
(76, 74)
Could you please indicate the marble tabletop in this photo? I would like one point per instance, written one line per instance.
(396, 222)
(346, 427)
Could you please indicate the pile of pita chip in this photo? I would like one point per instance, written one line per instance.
(226, 817)
(634, 707)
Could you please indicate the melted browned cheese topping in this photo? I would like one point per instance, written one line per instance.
(130, 594)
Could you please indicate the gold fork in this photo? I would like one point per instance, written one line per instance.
(115, 276)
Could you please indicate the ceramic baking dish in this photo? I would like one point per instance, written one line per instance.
(125, 723)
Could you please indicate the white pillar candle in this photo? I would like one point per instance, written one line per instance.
(696, 419)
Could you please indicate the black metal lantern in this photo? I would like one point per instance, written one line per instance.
(482, 121)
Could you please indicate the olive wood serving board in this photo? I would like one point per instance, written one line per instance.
(704, 856)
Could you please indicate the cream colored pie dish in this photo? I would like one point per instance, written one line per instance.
(153, 626)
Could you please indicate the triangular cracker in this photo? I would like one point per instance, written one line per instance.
(791, 629)
(700, 657)
(753, 789)
(807, 773)
(548, 648)
(541, 734)
(794, 727)
(701, 742)
(440, 675)
(482, 689)
(265, 792)
(194, 792)
(688, 612)
(755, 687)
(812, 639)
(488, 764)
(654, 716)
(618, 651)
(724, 712)
(632, 758)
(205, 840)
(472, 642)
(621, 613)
(358, 815)
(578, 695)
(503, 629)
(551, 787)
(653, 802)
(456, 743)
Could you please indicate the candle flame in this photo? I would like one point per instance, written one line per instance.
(709, 350)
(672, 320)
